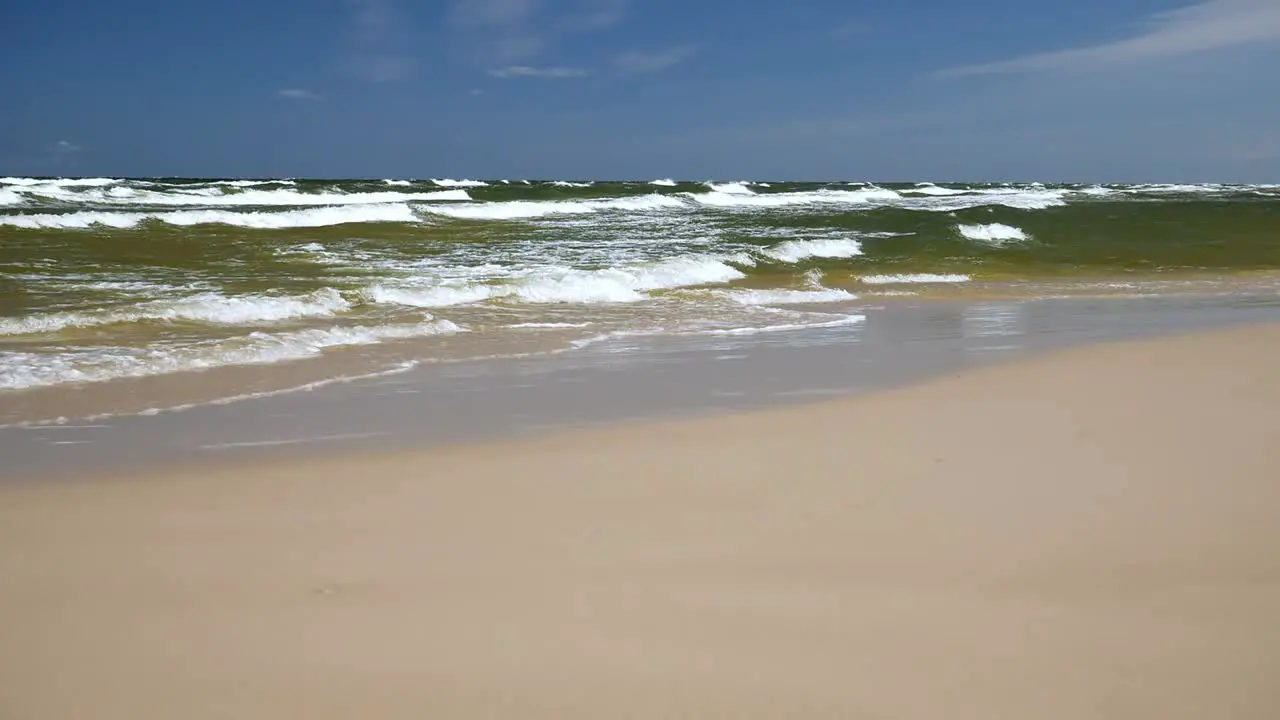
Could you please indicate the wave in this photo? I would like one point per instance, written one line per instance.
(550, 284)
(787, 296)
(60, 182)
(311, 217)
(530, 209)
(398, 183)
(931, 189)
(664, 182)
(912, 278)
(996, 234)
(733, 188)
(215, 196)
(733, 196)
(791, 251)
(209, 307)
(9, 197)
(566, 183)
(25, 370)
(446, 182)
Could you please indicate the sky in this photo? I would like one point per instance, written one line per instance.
(976, 90)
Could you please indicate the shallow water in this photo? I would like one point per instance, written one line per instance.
(116, 295)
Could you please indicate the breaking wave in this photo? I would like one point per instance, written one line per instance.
(791, 251)
(565, 285)
(311, 217)
(530, 209)
(912, 278)
(210, 307)
(25, 370)
(994, 234)
(217, 197)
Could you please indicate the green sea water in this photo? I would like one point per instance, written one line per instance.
(103, 280)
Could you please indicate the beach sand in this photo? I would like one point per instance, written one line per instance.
(1090, 534)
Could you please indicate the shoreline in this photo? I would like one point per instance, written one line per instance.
(620, 380)
(1088, 532)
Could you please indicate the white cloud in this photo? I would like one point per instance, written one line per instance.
(66, 147)
(491, 12)
(514, 71)
(595, 14)
(298, 94)
(1208, 25)
(648, 62)
(373, 30)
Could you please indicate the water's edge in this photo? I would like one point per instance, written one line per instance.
(627, 379)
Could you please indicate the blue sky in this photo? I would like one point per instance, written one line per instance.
(1088, 90)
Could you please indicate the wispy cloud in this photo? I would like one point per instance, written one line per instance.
(66, 147)
(594, 14)
(502, 33)
(491, 12)
(655, 61)
(1208, 25)
(374, 56)
(518, 71)
(298, 94)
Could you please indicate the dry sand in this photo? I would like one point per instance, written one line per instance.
(1095, 534)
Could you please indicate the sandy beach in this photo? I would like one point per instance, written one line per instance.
(1089, 534)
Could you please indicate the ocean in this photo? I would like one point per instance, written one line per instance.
(127, 295)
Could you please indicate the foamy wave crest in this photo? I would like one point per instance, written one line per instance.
(59, 182)
(733, 188)
(215, 197)
(664, 182)
(566, 285)
(397, 183)
(9, 197)
(446, 182)
(529, 209)
(912, 278)
(791, 251)
(311, 217)
(566, 183)
(931, 189)
(788, 297)
(23, 370)
(208, 307)
(719, 197)
(994, 234)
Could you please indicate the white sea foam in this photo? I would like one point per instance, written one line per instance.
(9, 197)
(664, 182)
(446, 182)
(733, 188)
(994, 234)
(786, 296)
(59, 182)
(566, 183)
(786, 327)
(552, 284)
(310, 217)
(530, 209)
(912, 278)
(209, 307)
(397, 183)
(791, 251)
(214, 197)
(24, 370)
(720, 197)
(931, 189)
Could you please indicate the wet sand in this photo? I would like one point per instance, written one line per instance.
(1091, 533)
